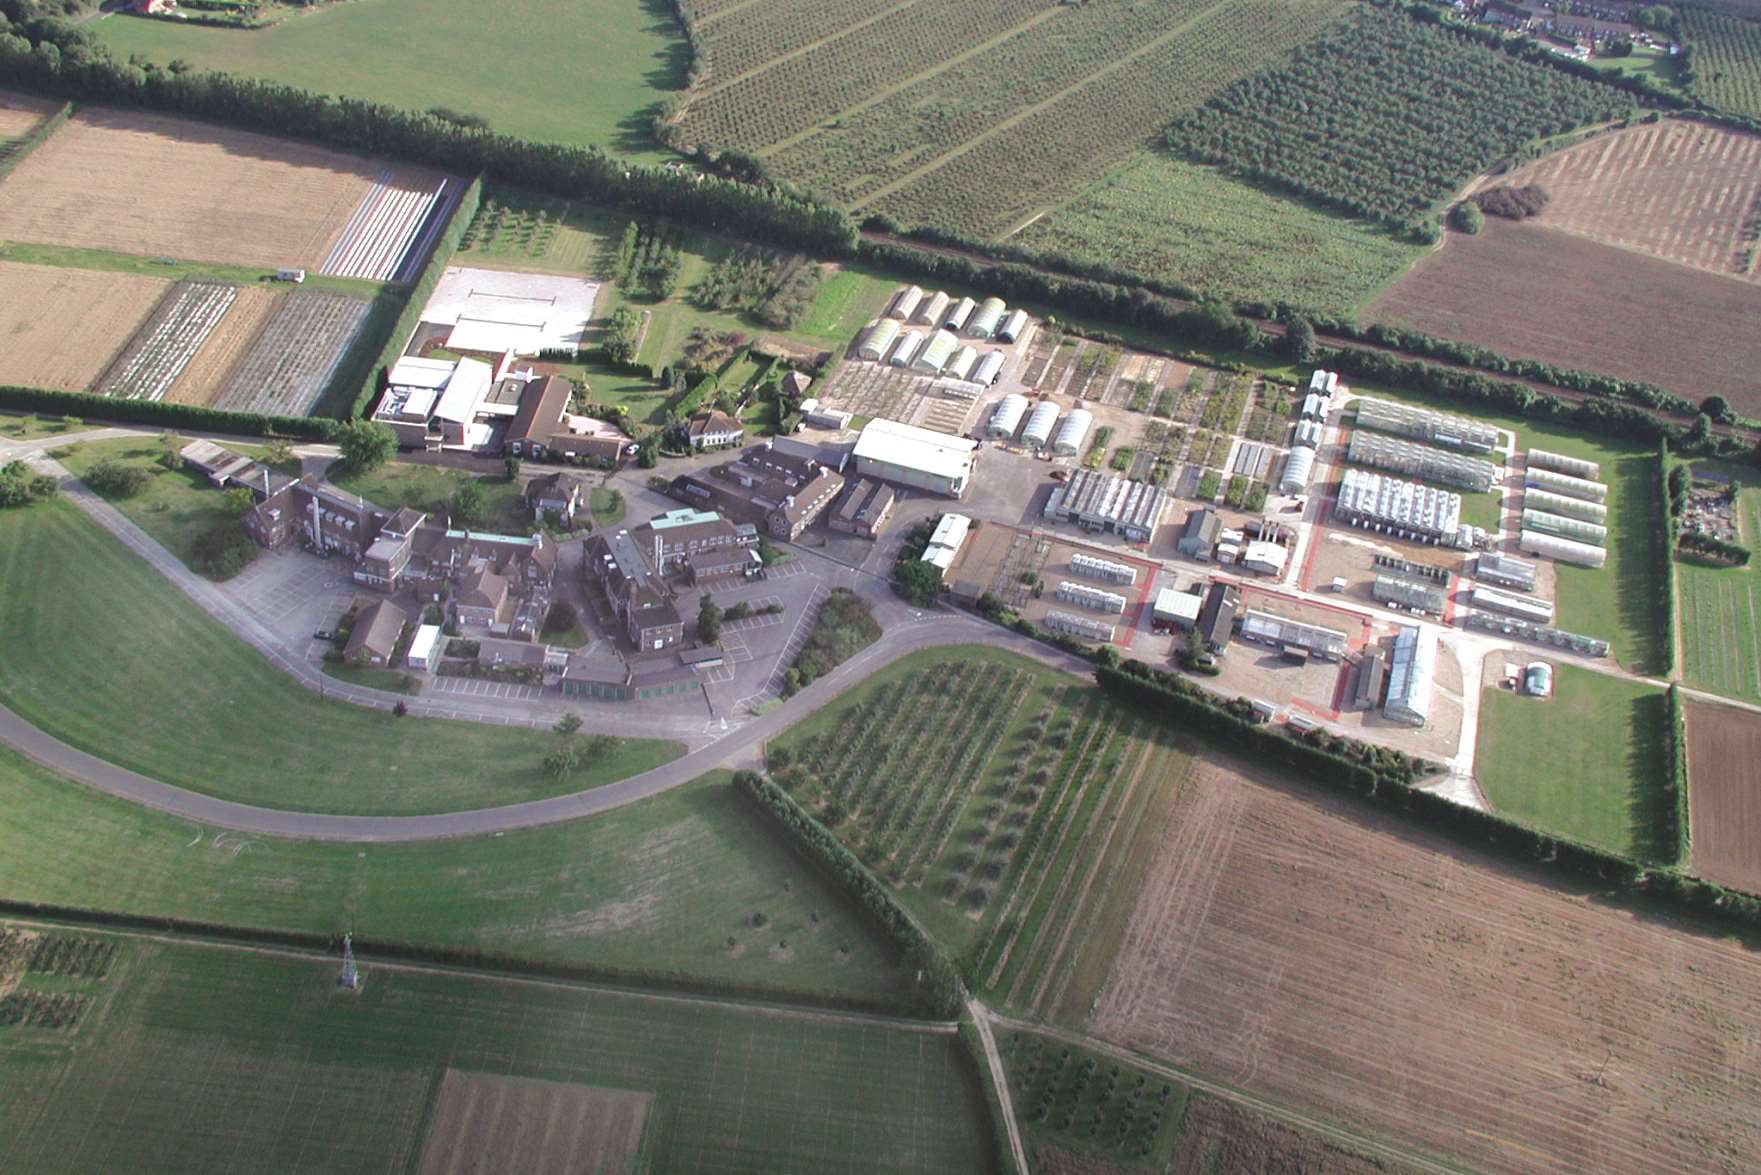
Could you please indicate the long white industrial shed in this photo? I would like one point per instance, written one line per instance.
(1564, 483)
(1403, 508)
(1095, 501)
(1038, 432)
(916, 457)
(1412, 672)
(1564, 550)
(1007, 416)
(1560, 463)
(1416, 460)
(1437, 428)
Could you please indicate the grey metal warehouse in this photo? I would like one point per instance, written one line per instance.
(1094, 501)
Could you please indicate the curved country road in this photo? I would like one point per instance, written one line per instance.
(737, 747)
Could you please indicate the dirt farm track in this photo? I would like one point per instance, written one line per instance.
(1543, 294)
(1295, 946)
(1724, 790)
(164, 187)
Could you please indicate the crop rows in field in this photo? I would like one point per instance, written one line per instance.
(844, 71)
(898, 770)
(863, 148)
(299, 350)
(380, 241)
(1726, 60)
(986, 187)
(71, 958)
(1099, 1104)
(1388, 117)
(41, 1009)
(163, 347)
(774, 28)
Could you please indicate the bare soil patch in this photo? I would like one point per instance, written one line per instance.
(1683, 191)
(1329, 956)
(1221, 1136)
(60, 328)
(20, 114)
(1539, 293)
(1724, 793)
(228, 343)
(154, 186)
(487, 1123)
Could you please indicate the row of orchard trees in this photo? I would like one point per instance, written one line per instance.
(1387, 117)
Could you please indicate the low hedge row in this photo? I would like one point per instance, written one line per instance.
(32, 141)
(941, 989)
(1678, 776)
(157, 412)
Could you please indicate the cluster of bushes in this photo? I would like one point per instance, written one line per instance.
(1512, 203)
(940, 987)
(223, 550)
(20, 487)
(71, 958)
(773, 288)
(41, 1009)
(1677, 748)
(845, 627)
(622, 338)
(649, 258)
(1714, 548)
(117, 479)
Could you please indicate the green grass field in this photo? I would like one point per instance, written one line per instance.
(1588, 763)
(590, 74)
(658, 885)
(1721, 616)
(1182, 222)
(200, 1058)
(1011, 807)
(103, 653)
(178, 505)
(171, 269)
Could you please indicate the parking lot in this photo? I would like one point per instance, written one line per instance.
(474, 687)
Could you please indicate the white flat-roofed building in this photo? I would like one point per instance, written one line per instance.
(1412, 672)
(496, 311)
(1265, 558)
(1175, 609)
(442, 403)
(916, 457)
(424, 647)
(944, 544)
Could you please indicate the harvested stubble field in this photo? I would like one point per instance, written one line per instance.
(1683, 191)
(20, 114)
(225, 346)
(1317, 952)
(1724, 791)
(536, 1127)
(1537, 293)
(149, 185)
(1221, 1136)
(44, 310)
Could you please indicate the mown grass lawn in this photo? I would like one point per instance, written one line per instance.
(430, 488)
(662, 884)
(1720, 606)
(1588, 763)
(588, 74)
(206, 1059)
(103, 653)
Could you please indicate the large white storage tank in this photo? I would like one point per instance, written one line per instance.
(1038, 432)
(1540, 499)
(1073, 431)
(958, 313)
(1014, 326)
(1571, 487)
(906, 348)
(932, 308)
(880, 337)
(906, 302)
(1007, 417)
(1298, 468)
(961, 365)
(986, 318)
(936, 352)
(1560, 463)
(1564, 550)
(989, 368)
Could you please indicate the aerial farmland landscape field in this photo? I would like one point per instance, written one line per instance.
(1140, 587)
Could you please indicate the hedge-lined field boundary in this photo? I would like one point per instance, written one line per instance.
(87, 406)
(35, 139)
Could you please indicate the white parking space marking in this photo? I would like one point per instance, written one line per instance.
(483, 688)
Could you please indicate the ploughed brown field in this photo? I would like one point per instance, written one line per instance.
(153, 186)
(61, 327)
(20, 114)
(485, 1122)
(1537, 293)
(1724, 794)
(1334, 957)
(1683, 191)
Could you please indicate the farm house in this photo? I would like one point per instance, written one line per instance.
(935, 353)
(1560, 463)
(1038, 432)
(931, 310)
(906, 348)
(989, 368)
(1564, 550)
(1422, 424)
(945, 542)
(905, 303)
(1564, 483)
(957, 315)
(1014, 326)
(1412, 459)
(1007, 416)
(1412, 670)
(1575, 529)
(907, 455)
(1404, 509)
(1072, 432)
(986, 319)
(879, 340)
(1554, 503)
